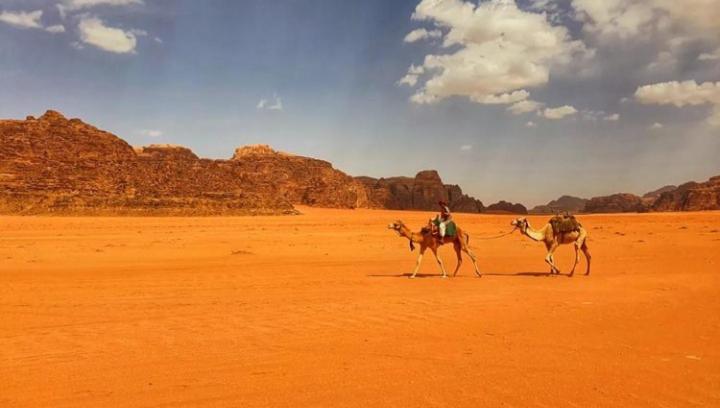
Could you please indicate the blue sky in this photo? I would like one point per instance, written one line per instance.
(520, 101)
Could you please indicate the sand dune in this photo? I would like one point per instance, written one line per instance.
(316, 310)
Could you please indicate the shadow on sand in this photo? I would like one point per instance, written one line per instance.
(437, 275)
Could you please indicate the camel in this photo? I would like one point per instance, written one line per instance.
(426, 239)
(552, 242)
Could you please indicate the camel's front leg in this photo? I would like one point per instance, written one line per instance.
(549, 258)
(417, 263)
(440, 263)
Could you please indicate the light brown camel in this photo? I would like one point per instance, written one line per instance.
(552, 242)
(426, 239)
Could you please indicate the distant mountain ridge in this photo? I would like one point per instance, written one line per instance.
(54, 165)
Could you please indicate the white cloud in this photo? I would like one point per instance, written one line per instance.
(275, 105)
(151, 132)
(622, 19)
(503, 99)
(493, 56)
(612, 118)
(22, 19)
(710, 56)
(93, 31)
(525, 107)
(466, 148)
(657, 125)
(411, 78)
(421, 34)
(530, 124)
(681, 94)
(55, 29)
(83, 4)
(558, 113)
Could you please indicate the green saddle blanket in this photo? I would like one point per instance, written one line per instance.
(450, 227)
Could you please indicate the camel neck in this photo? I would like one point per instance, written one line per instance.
(533, 234)
(410, 235)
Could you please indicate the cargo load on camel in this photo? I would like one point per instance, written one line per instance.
(562, 224)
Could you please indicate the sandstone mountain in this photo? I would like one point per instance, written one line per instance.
(419, 193)
(55, 165)
(691, 196)
(504, 207)
(565, 203)
(616, 203)
(650, 198)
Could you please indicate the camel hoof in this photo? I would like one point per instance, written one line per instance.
(444, 276)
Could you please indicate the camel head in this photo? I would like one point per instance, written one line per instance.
(396, 226)
(520, 223)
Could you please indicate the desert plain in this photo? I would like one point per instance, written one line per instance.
(317, 310)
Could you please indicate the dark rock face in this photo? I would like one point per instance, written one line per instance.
(691, 196)
(419, 193)
(563, 204)
(504, 207)
(616, 203)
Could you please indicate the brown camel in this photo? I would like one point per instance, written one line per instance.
(552, 241)
(426, 239)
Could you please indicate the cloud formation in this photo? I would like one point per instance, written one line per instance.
(558, 113)
(151, 132)
(421, 34)
(83, 4)
(686, 93)
(93, 31)
(488, 55)
(22, 19)
(275, 105)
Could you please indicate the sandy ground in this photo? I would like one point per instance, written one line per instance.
(316, 310)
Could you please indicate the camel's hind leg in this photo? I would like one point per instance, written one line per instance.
(586, 251)
(440, 262)
(579, 242)
(466, 249)
(458, 252)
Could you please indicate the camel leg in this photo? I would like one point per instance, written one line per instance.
(552, 261)
(549, 258)
(458, 252)
(440, 262)
(417, 263)
(473, 259)
(577, 259)
(586, 251)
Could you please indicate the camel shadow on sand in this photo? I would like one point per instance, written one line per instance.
(437, 275)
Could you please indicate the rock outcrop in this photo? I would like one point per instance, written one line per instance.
(691, 196)
(565, 203)
(650, 198)
(616, 203)
(52, 165)
(419, 193)
(302, 180)
(504, 207)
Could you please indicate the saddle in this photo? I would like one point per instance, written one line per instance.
(450, 227)
(562, 224)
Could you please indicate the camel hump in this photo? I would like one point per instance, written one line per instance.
(562, 224)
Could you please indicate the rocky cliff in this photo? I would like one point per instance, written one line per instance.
(565, 203)
(691, 196)
(421, 192)
(504, 207)
(55, 165)
(616, 203)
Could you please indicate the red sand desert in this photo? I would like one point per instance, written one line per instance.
(316, 310)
